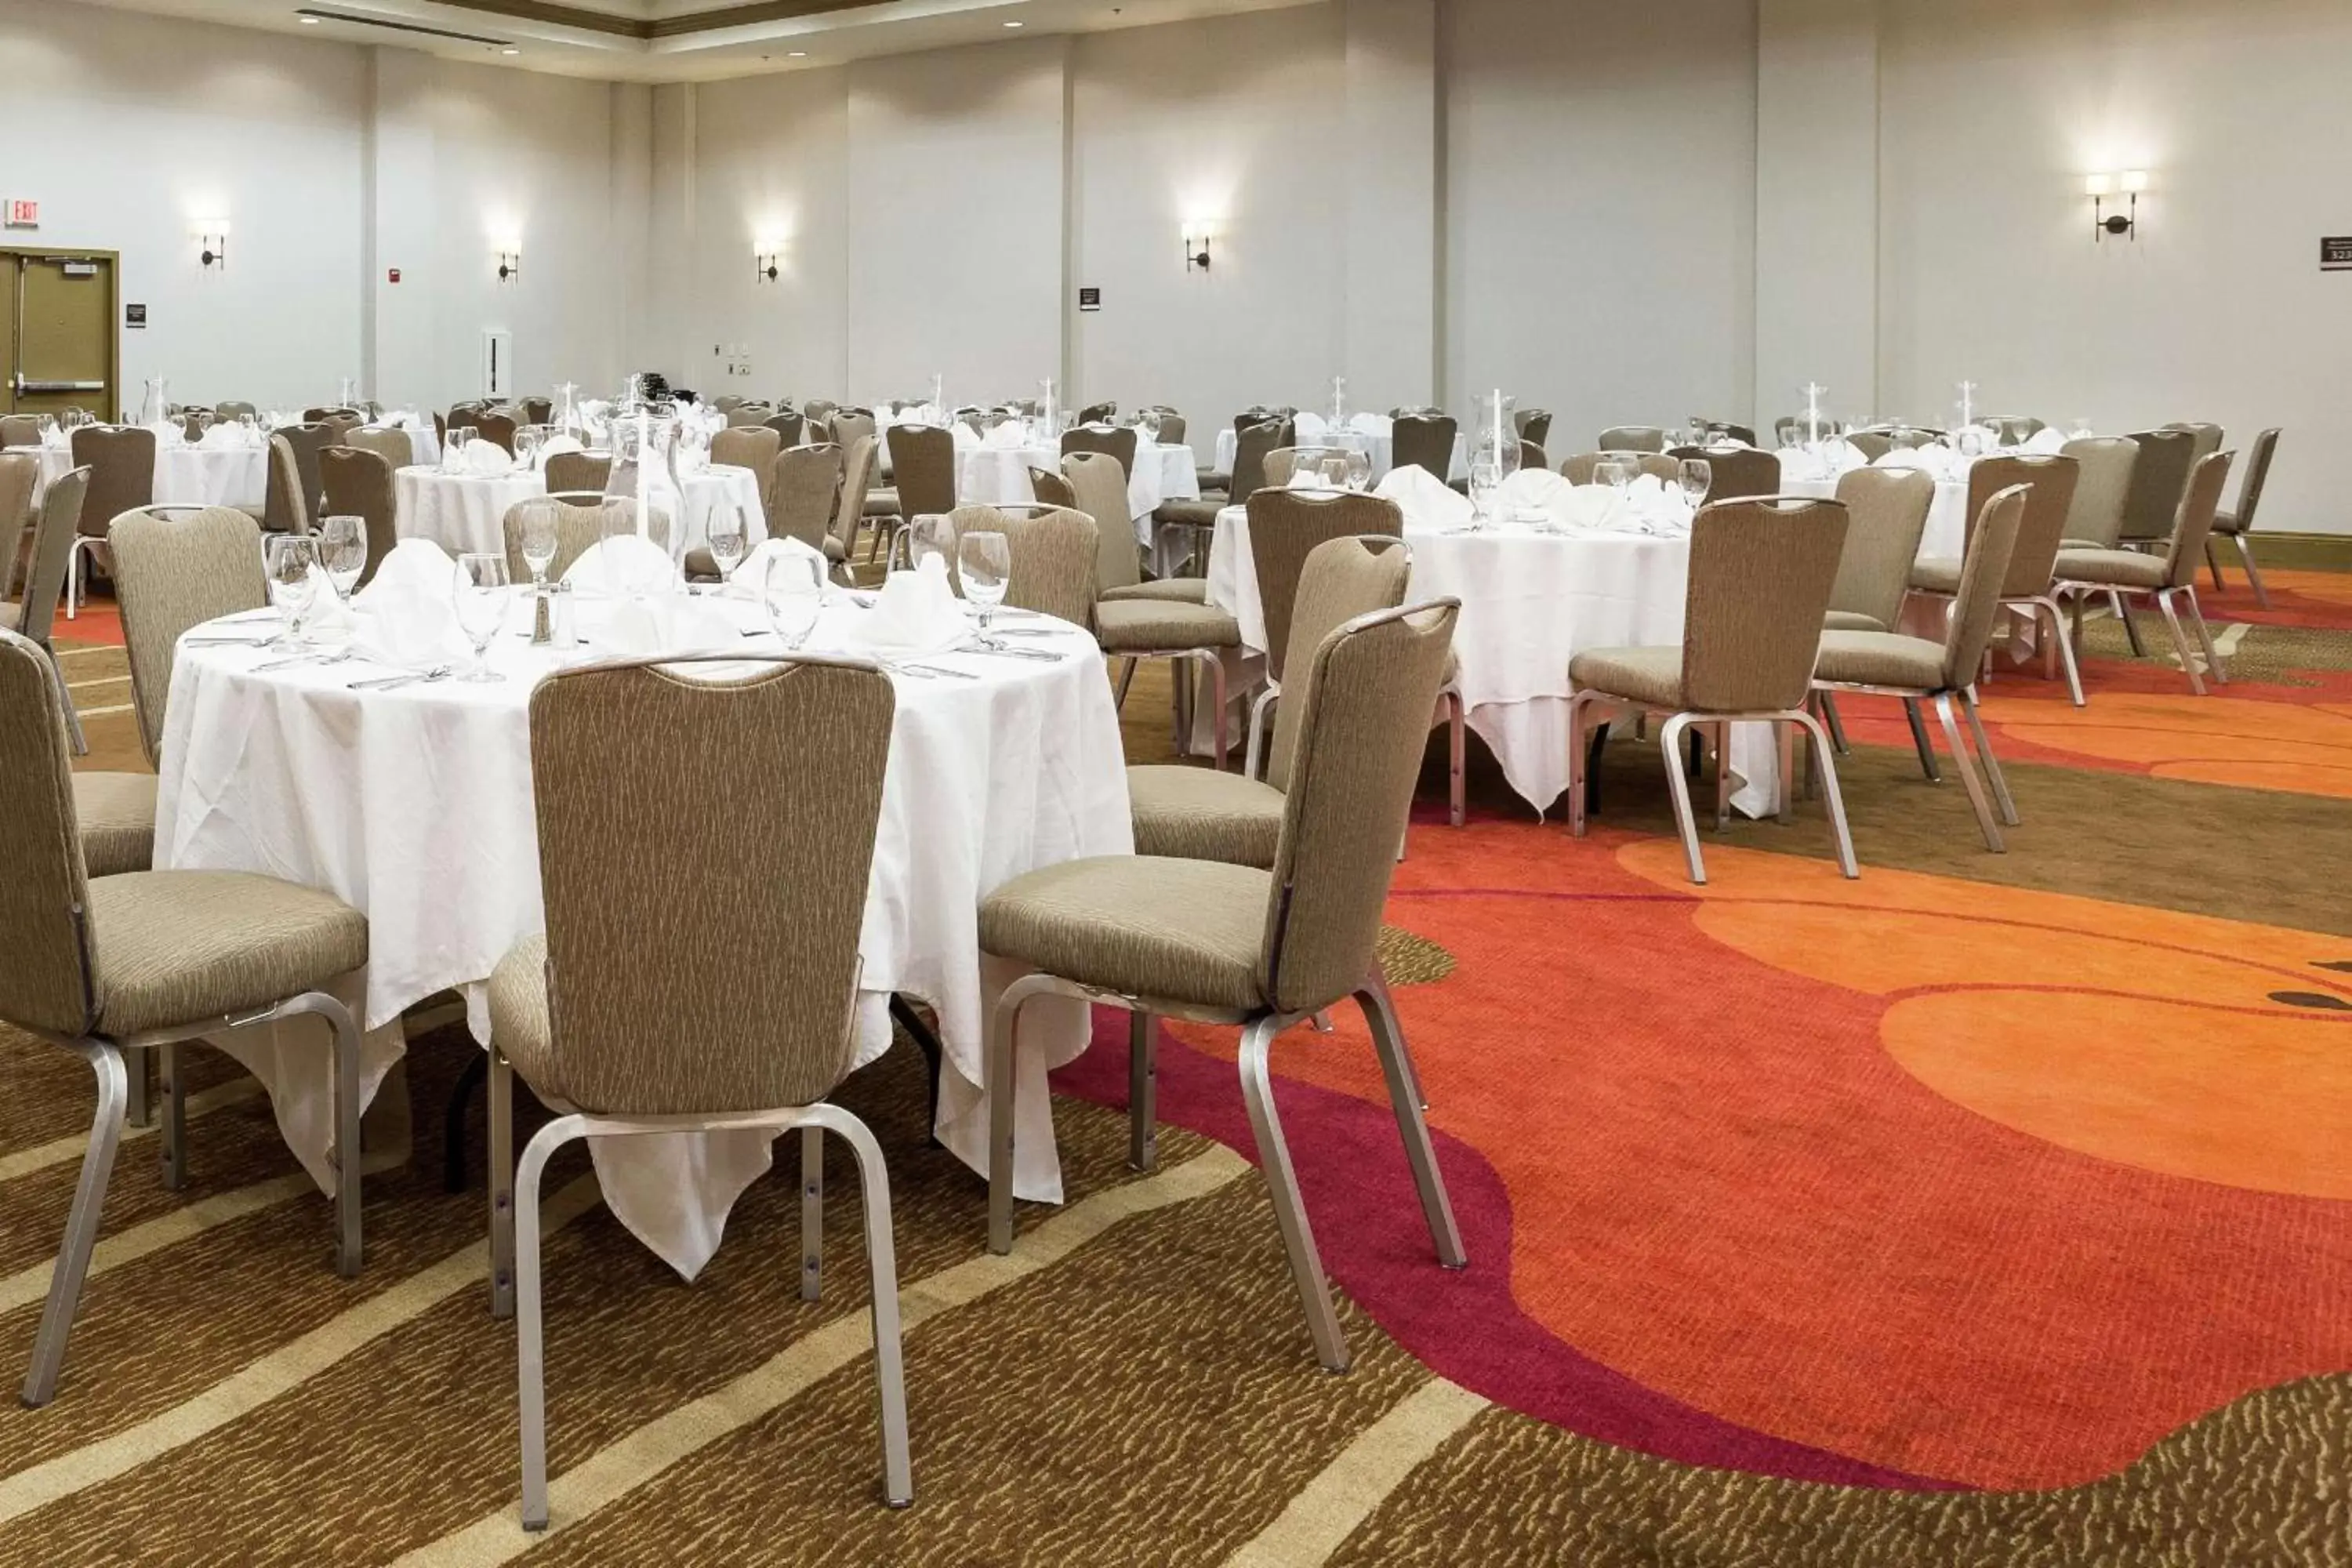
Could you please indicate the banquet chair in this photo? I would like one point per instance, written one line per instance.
(754, 414)
(134, 964)
(1266, 950)
(1739, 473)
(1916, 670)
(49, 542)
(1886, 513)
(2103, 479)
(1872, 444)
(537, 410)
(283, 509)
(1199, 814)
(2026, 591)
(1761, 571)
(1282, 463)
(1633, 438)
(232, 408)
(626, 1020)
(1173, 429)
(1117, 441)
(1535, 424)
(121, 464)
(2169, 580)
(2160, 483)
(360, 484)
(1426, 443)
(579, 471)
(857, 493)
(2014, 430)
(20, 476)
(923, 463)
(582, 519)
(1254, 442)
(497, 428)
(1720, 430)
(752, 447)
(1097, 489)
(308, 439)
(343, 421)
(1053, 556)
(116, 810)
(2205, 439)
(1098, 414)
(808, 488)
(1533, 458)
(726, 402)
(849, 424)
(20, 430)
(1136, 629)
(1789, 430)
(819, 408)
(788, 424)
(2237, 524)
(180, 567)
(1578, 469)
(393, 446)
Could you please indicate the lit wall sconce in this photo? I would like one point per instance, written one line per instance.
(767, 261)
(510, 264)
(2122, 225)
(1196, 246)
(212, 242)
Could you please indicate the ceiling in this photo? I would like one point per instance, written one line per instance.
(681, 40)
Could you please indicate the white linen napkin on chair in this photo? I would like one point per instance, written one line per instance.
(485, 459)
(750, 579)
(667, 623)
(1426, 500)
(621, 562)
(916, 612)
(405, 617)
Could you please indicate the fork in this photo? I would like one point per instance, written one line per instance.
(394, 683)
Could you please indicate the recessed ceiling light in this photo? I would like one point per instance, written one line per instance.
(511, 49)
(1017, 24)
(797, 55)
(307, 21)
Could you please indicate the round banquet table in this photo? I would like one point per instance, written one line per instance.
(414, 806)
(189, 475)
(1376, 444)
(999, 475)
(1531, 603)
(464, 512)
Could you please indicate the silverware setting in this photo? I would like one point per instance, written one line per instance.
(394, 683)
(229, 642)
(1035, 652)
(927, 672)
(300, 659)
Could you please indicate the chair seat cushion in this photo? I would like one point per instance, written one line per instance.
(1160, 625)
(1218, 479)
(519, 1022)
(1850, 621)
(1647, 675)
(117, 813)
(1880, 659)
(1199, 814)
(2227, 522)
(1178, 590)
(834, 551)
(1935, 575)
(181, 947)
(1176, 930)
(2121, 568)
(882, 503)
(1202, 513)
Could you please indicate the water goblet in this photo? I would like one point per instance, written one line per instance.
(481, 604)
(984, 561)
(293, 558)
(343, 551)
(728, 535)
(1697, 477)
(793, 595)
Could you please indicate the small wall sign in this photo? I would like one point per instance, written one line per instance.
(134, 317)
(391, 275)
(2336, 253)
(1089, 299)
(23, 214)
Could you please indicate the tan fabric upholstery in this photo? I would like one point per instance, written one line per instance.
(359, 484)
(117, 813)
(2158, 483)
(520, 1021)
(578, 471)
(851, 424)
(53, 540)
(923, 468)
(176, 947)
(807, 490)
(2103, 479)
(2117, 568)
(857, 481)
(1199, 814)
(1116, 442)
(1850, 621)
(498, 429)
(2196, 522)
(44, 985)
(20, 429)
(174, 572)
(2050, 495)
(1578, 470)
(791, 426)
(2205, 439)
(1420, 442)
(393, 446)
(1760, 575)
(1633, 438)
(1650, 676)
(308, 439)
(1285, 527)
(121, 464)
(1182, 931)
(754, 446)
(1099, 489)
(1252, 443)
(1162, 626)
(2241, 520)
(581, 520)
(1910, 663)
(1886, 513)
(1053, 558)
(284, 509)
(1881, 658)
(1737, 473)
(1052, 490)
(1535, 424)
(656, 1017)
(1341, 580)
(20, 476)
(1175, 590)
(1199, 513)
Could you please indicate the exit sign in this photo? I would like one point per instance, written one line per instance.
(23, 214)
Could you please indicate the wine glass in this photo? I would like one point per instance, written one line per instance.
(1613, 474)
(481, 603)
(985, 563)
(1148, 426)
(539, 544)
(1360, 471)
(793, 595)
(344, 550)
(293, 557)
(1333, 467)
(1696, 475)
(727, 534)
(528, 439)
(454, 454)
(1485, 482)
(927, 536)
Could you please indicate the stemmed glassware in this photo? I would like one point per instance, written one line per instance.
(481, 604)
(984, 561)
(929, 535)
(793, 595)
(540, 542)
(293, 561)
(528, 439)
(343, 551)
(1485, 484)
(1697, 477)
(728, 535)
(1333, 467)
(1616, 475)
(1360, 471)
(455, 453)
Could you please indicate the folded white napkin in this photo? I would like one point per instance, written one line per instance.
(485, 459)
(966, 437)
(224, 439)
(396, 419)
(1592, 508)
(554, 445)
(667, 623)
(916, 612)
(2046, 442)
(405, 615)
(750, 579)
(1309, 427)
(1308, 476)
(621, 565)
(1531, 493)
(1932, 461)
(1426, 500)
(1008, 437)
(330, 620)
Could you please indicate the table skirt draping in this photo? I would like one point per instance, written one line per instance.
(189, 475)
(462, 512)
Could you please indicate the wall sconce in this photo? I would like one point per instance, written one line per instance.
(767, 262)
(2099, 187)
(1196, 246)
(510, 264)
(212, 242)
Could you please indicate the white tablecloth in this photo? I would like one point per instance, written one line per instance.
(999, 475)
(1947, 519)
(416, 806)
(1379, 445)
(1531, 603)
(462, 512)
(189, 475)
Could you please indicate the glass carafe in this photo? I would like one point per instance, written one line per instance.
(155, 408)
(645, 443)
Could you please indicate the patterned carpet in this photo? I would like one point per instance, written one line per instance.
(1988, 1210)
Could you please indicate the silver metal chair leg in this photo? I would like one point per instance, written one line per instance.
(81, 1225)
(1721, 734)
(1920, 743)
(1217, 723)
(2213, 665)
(1404, 1095)
(1142, 1091)
(1836, 724)
(1828, 769)
(2253, 572)
(175, 1157)
(531, 1350)
(2122, 607)
(1670, 736)
(1126, 679)
(1577, 729)
(500, 1115)
(2000, 781)
(1457, 753)
(2180, 641)
(140, 1108)
(73, 579)
(1253, 750)
(347, 1251)
(813, 1212)
(1976, 802)
(73, 714)
(2065, 649)
(882, 1262)
(1785, 737)
(998, 1081)
(1290, 1209)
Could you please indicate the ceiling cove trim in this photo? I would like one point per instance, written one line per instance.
(553, 13)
